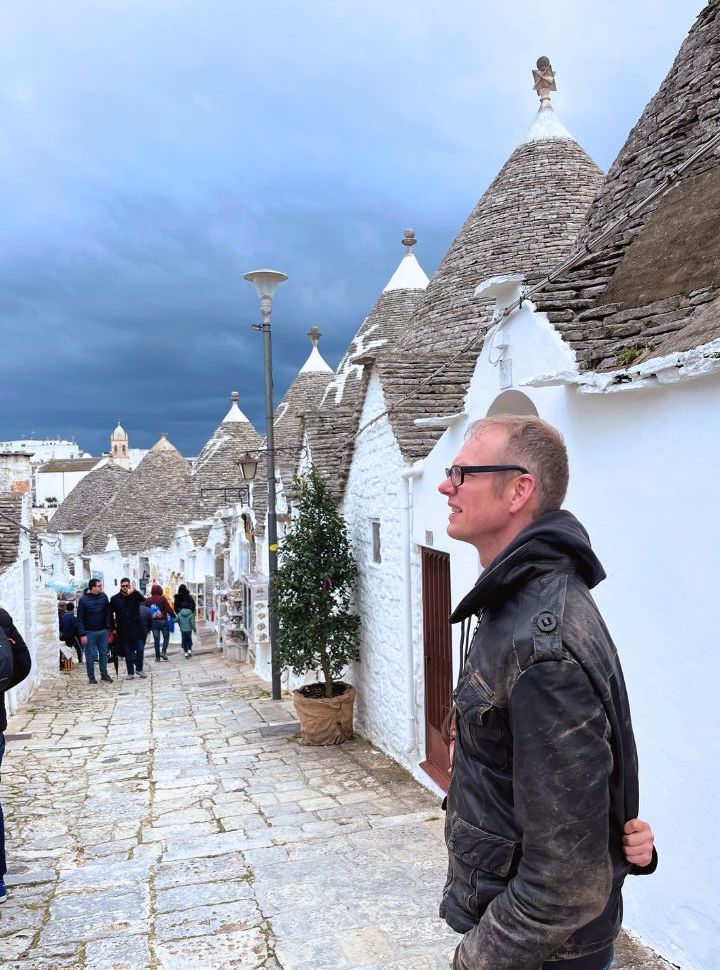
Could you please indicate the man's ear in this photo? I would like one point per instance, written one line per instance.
(523, 491)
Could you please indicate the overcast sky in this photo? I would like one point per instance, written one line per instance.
(152, 151)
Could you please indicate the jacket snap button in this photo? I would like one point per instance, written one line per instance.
(546, 622)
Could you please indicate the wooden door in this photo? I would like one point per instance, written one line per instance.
(438, 661)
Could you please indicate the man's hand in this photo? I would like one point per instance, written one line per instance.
(638, 842)
(83, 640)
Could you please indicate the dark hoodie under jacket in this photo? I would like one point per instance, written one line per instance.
(21, 660)
(545, 768)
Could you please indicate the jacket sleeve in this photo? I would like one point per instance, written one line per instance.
(81, 617)
(108, 615)
(647, 870)
(21, 655)
(562, 762)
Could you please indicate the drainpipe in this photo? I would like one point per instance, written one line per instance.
(408, 474)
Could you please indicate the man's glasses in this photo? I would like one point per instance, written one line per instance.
(457, 473)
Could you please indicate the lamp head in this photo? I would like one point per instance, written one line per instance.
(265, 281)
(248, 466)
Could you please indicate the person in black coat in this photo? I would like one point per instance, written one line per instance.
(131, 626)
(21, 668)
(69, 630)
(183, 599)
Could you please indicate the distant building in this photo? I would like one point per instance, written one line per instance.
(44, 449)
(57, 478)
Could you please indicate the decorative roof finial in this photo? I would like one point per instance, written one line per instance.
(314, 335)
(409, 240)
(544, 78)
(234, 397)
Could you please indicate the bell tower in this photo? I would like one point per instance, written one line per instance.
(119, 447)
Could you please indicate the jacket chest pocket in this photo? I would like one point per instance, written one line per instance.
(483, 729)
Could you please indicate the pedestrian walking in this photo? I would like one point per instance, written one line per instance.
(93, 620)
(130, 626)
(183, 599)
(15, 665)
(186, 622)
(541, 821)
(159, 623)
(69, 630)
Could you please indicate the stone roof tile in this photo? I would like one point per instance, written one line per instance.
(92, 494)
(444, 395)
(11, 507)
(143, 511)
(331, 427)
(656, 275)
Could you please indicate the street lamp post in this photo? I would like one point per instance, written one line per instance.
(265, 282)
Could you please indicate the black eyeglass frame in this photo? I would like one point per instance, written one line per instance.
(478, 469)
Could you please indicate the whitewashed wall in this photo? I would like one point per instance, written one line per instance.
(113, 566)
(644, 471)
(34, 612)
(375, 490)
(56, 484)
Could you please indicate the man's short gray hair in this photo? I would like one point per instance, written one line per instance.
(537, 446)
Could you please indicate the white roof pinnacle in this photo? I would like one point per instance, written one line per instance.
(409, 275)
(316, 363)
(235, 414)
(546, 125)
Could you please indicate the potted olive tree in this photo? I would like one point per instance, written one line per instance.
(318, 629)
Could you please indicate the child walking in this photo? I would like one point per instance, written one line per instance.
(186, 622)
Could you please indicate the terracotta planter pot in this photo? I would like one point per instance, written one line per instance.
(325, 720)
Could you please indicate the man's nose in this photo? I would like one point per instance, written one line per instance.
(446, 487)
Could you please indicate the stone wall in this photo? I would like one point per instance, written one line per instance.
(375, 491)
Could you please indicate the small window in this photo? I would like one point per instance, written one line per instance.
(376, 553)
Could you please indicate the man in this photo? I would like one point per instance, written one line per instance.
(544, 779)
(131, 629)
(93, 620)
(21, 668)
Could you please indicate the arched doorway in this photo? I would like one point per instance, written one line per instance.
(512, 402)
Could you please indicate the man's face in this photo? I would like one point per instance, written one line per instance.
(477, 514)
(125, 589)
(96, 589)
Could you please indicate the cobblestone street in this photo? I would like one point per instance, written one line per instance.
(176, 823)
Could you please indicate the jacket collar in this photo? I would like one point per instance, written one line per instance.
(555, 542)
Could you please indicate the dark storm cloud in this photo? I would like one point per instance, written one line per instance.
(153, 152)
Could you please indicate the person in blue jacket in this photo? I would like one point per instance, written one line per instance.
(69, 630)
(21, 668)
(93, 620)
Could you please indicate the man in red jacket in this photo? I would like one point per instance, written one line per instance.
(21, 668)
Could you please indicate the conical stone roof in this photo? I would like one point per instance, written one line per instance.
(644, 292)
(218, 465)
(89, 497)
(299, 404)
(144, 510)
(525, 222)
(334, 423)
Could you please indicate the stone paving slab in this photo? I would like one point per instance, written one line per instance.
(177, 823)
